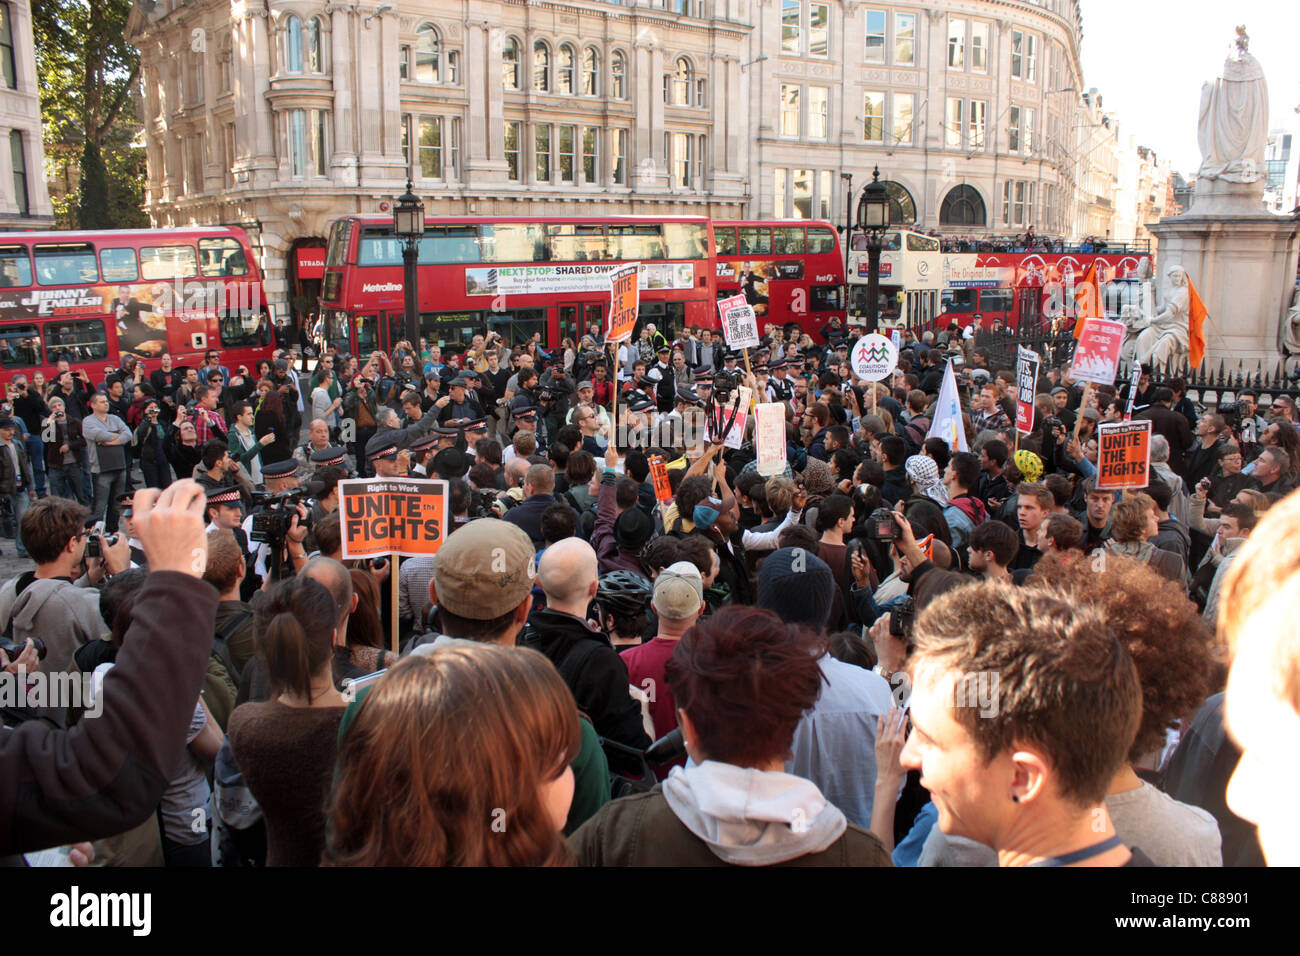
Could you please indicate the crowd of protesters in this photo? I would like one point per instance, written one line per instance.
(884, 650)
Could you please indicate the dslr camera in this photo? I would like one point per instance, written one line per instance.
(724, 383)
(881, 526)
(13, 648)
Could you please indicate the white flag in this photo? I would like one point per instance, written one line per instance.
(947, 423)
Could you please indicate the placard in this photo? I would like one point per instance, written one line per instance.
(725, 414)
(623, 303)
(659, 475)
(1096, 356)
(874, 358)
(769, 438)
(739, 323)
(1132, 390)
(382, 516)
(1026, 387)
(1123, 455)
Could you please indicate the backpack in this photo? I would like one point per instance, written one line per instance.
(221, 681)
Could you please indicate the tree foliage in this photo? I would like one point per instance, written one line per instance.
(89, 74)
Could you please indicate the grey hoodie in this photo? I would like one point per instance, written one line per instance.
(55, 610)
(753, 817)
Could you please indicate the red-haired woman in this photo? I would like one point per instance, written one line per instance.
(461, 758)
(742, 680)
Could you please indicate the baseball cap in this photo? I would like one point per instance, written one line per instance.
(484, 569)
(679, 591)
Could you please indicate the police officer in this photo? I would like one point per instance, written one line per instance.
(331, 457)
(780, 388)
(279, 476)
(525, 419)
(384, 457)
(422, 451)
(661, 375)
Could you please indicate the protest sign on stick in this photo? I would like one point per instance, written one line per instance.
(1123, 455)
(739, 323)
(1026, 388)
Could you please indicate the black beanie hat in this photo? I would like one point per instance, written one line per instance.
(633, 529)
(798, 586)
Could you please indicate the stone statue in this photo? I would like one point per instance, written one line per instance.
(1233, 130)
(1165, 336)
(1134, 323)
(1292, 327)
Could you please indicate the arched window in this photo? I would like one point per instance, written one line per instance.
(541, 67)
(510, 64)
(590, 72)
(293, 45)
(428, 54)
(568, 63)
(315, 54)
(963, 206)
(618, 76)
(680, 85)
(902, 208)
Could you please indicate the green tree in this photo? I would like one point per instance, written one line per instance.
(88, 73)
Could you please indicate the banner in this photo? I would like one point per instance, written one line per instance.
(623, 304)
(381, 516)
(769, 438)
(724, 414)
(575, 277)
(1123, 455)
(1096, 357)
(659, 474)
(874, 358)
(947, 422)
(739, 323)
(1026, 388)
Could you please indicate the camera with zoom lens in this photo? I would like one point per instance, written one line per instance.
(274, 514)
(901, 617)
(592, 358)
(13, 649)
(96, 544)
(724, 383)
(482, 503)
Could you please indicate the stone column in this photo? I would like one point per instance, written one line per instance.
(484, 137)
(343, 161)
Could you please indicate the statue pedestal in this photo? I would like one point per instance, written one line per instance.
(1243, 267)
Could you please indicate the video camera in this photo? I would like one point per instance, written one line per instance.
(724, 383)
(274, 513)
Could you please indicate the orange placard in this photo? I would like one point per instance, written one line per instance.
(1123, 455)
(659, 475)
(624, 294)
(382, 516)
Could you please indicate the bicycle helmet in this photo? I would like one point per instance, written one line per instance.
(624, 593)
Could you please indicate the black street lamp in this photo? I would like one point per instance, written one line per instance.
(408, 225)
(848, 237)
(873, 219)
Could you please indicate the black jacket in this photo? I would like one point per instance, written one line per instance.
(528, 516)
(1167, 422)
(593, 671)
(895, 486)
(67, 432)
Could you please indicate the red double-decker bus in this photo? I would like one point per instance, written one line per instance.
(90, 297)
(513, 275)
(788, 270)
(1028, 290)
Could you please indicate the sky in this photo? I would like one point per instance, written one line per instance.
(1148, 59)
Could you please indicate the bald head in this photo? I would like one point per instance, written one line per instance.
(515, 471)
(567, 573)
(539, 480)
(336, 579)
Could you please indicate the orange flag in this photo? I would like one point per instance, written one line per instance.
(1196, 316)
(1088, 289)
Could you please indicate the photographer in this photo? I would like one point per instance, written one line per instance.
(107, 775)
(277, 525)
(182, 445)
(359, 404)
(149, 442)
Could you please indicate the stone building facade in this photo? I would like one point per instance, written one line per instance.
(24, 199)
(281, 115)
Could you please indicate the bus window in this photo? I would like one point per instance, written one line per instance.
(450, 328)
(789, 241)
(820, 240)
(20, 345)
(167, 262)
(577, 242)
(893, 242)
(959, 300)
(512, 242)
(338, 245)
(725, 239)
(75, 341)
(367, 334)
(338, 332)
(825, 298)
(222, 257)
(917, 243)
(755, 241)
(243, 331)
(637, 243)
(450, 244)
(65, 264)
(379, 250)
(996, 300)
(686, 240)
(118, 265)
(517, 327)
(15, 267)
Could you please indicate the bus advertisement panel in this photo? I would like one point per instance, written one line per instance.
(89, 298)
(789, 271)
(518, 277)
